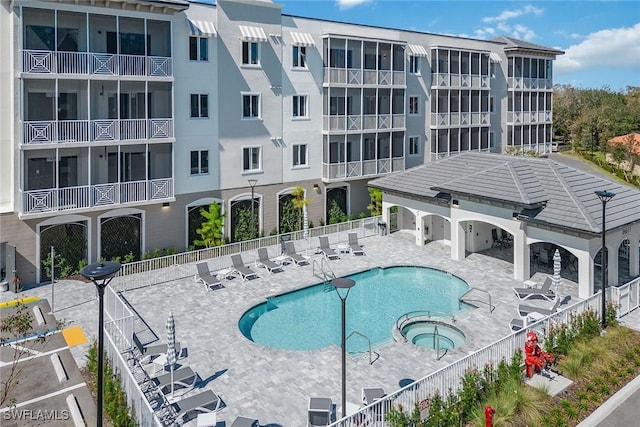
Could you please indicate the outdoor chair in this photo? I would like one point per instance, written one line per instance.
(245, 422)
(525, 310)
(517, 323)
(204, 276)
(497, 241)
(239, 267)
(290, 252)
(184, 379)
(544, 291)
(264, 261)
(146, 353)
(206, 401)
(326, 250)
(319, 413)
(354, 246)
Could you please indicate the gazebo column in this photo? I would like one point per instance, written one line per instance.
(521, 257)
(634, 258)
(586, 270)
(457, 240)
(612, 266)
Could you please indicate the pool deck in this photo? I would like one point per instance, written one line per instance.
(274, 385)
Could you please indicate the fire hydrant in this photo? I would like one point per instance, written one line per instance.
(534, 358)
(488, 416)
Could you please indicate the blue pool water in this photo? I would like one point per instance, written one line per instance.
(310, 318)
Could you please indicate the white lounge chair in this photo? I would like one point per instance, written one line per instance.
(206, 278)
(204, 402)
(544, 291)
(290, 253)
(239, 267)
(354, 246)
(326, 250)
(517, 323)
(245, 422)
(319, 413)
(264, 261)
(524, 310)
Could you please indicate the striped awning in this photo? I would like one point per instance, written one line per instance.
(202, 28)
(252, 34)
(302, 39)
(417, 50)
(494, 57)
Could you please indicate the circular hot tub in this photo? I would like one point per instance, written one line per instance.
(433, 334)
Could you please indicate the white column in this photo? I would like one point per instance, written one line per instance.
(457, 240)
(634, 256)
(521, 256)
(585, 275)
(612, 265)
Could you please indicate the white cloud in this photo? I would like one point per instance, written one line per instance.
(517, 31)
(348, 4)
(610, 48)
(505, 15)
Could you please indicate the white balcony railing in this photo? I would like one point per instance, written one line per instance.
(361, 168)
(459, 119)
(446, 80)
(529, 117)
(529, 83)
(88, 196)
(90, 63)
(365, 122)
(61, 131)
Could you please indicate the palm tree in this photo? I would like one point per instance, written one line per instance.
(300, 202)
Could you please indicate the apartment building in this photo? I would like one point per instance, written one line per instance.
(121, 119)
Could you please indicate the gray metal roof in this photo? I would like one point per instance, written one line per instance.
(521, 44)
(549, 192)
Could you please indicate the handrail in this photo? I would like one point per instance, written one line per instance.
(491, 307)
(321, 266)
(436, 343)
(366, 338)
(418, 313)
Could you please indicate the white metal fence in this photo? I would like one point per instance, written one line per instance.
(626, 297)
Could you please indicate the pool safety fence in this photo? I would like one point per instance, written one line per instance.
(181, 265)
(448, 379)
(626, 297)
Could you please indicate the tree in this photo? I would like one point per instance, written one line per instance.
(16, 329)
(300, 202)
(376, 201)
(245, 228)
(289, 215)
(336, 215)
(210, 230)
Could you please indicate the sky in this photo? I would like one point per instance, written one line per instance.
(601, 39)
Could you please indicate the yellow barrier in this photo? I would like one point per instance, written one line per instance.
(25, 300)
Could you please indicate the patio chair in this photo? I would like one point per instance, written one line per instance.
(319, 413)
(204, 276)
(517, 323)
(354, 246)
(245, 422)
(497, 241)
(544, 291)
(326, 250)
(290, 251)
(146, 353)
(525, 310)
(264, 261)
(239, 267)
(206, 401)
(184, 379)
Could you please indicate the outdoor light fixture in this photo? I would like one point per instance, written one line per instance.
(316, 188)
(100, 274)
(252, 183)
(166, 204)
(604, 197)
(343, 286)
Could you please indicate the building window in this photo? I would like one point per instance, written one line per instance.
(414, 145)
(414, 103)
(299, 57)
(199, 162)
(251, 159)
(414, 64)
(198, 48)
(300, 106)
(299, 155)
(199, 105)
(250, 53)
(250, 106)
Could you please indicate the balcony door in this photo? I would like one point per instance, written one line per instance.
(68, 171)
(132, 105)
(41, 173)
(132, 167)
(68, 106)
(40, 106)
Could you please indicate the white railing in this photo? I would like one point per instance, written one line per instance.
(91, 63)
(460, 80)
(133, 191)
(133, 129)
(449, 379)
(626, 297)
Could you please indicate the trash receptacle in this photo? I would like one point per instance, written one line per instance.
(382, 226)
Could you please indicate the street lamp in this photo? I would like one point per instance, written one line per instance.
(604, 197)
(343, 286)
(252, 183)
(100, 274)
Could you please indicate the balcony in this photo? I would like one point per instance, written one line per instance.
(529, 117)
(90, 196)
(529, 83)
(102, 64)
(361, 168)
(67, 131)
(440, 120)
(446, 80)
(358, 77)
(367, 122)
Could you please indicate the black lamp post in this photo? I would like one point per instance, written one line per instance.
(343, 286)
(252, 183)
(100, 274)
(604, 197)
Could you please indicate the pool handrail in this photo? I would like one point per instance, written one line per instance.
(420, 313)
(491, 306)
(368, 341)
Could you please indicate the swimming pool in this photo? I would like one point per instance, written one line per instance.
(309, 318)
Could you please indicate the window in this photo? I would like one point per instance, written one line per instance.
(199, 162)
(251, 159)
(198, 49)
(300, 106)
(299, 155)
(250, 54)
(199, 105)
(414, 64)
(414, 103)
(250, 106)
(299, 57)
(414, 145)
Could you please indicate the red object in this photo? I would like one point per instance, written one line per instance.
(488, 416)
(534, 358)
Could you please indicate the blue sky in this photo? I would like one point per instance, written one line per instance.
(601, 38)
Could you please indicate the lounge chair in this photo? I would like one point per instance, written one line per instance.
(326, 250)
(206, 278)
(204, 402)
(354, 246)
(524, 310)
(183, 379)
(146, 353)
(517, 323)
(264, 261)
(290, 252)
(319, 413)
(239, 267)
(245, 422)
(544, 291)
